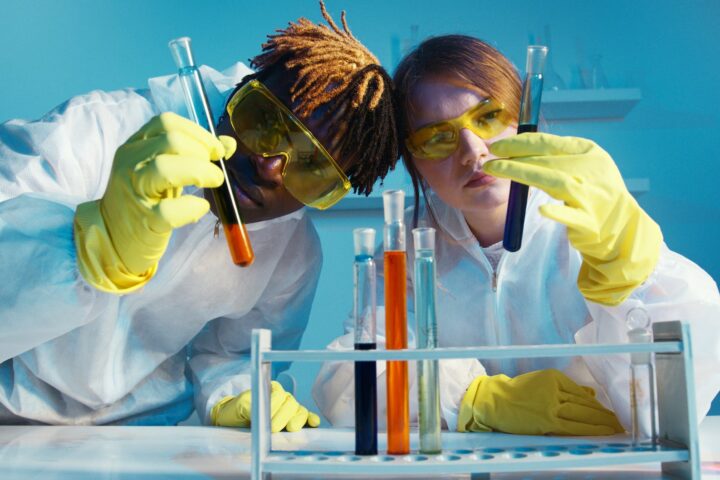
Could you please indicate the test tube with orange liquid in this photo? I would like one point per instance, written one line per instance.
(398, 409)
(199, 110)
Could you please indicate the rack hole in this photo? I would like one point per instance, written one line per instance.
(524, 449)
(415, 458)
(462, 452)
(516, 455)
(555, 448)
(303, 453)
(611, 450)
(382, 458)
(493, 450)
(349, 458)
(550, 453)
(448, 458)
(315, 458)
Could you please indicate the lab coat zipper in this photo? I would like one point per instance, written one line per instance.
(494, 285)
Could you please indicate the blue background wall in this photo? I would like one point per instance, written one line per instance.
(56, 49)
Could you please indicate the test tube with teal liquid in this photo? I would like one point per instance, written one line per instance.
(364, 304)
(426, 332)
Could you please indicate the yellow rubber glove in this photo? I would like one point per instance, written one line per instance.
(535, 403)
(285, 412)
(120, 238)
(619, 242)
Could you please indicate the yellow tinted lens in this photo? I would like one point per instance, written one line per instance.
(265, 126)
(259, 125)
(310, 177)
(433, 142)
(486, 123)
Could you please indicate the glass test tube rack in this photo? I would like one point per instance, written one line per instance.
(677, 448)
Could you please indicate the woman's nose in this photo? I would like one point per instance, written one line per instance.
(270, 168)
(472, 148)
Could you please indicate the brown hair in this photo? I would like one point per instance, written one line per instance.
(467, 59)
(333, 74)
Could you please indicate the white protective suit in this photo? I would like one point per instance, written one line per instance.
(70, 354)
(532, 299)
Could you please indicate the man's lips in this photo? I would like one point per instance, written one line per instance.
(479, 179)
(247, 197)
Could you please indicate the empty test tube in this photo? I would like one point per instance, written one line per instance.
(425, 315)
(642, 379)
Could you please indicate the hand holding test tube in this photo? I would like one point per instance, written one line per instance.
(199, 111)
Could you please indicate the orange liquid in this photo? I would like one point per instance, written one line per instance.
(398, 409)
(239, 244)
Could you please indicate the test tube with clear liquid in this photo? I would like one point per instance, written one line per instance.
(199, 111)
(426, 332)
(527, 122)
(642, 380)
(395, 271)
(364, 305)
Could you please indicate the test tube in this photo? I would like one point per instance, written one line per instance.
(398, 409)
(364, 305)
(425, 315)
(642, 379)
(199, 111)
(527, 122)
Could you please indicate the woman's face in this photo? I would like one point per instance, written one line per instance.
(458, 179)
(257, 181)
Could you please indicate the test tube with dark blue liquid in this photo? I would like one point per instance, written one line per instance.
(527, 122)
(364, 303)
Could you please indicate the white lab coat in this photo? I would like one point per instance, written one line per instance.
(532, 299)
(70, 354)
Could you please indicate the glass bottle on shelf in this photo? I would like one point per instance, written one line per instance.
(551, 79)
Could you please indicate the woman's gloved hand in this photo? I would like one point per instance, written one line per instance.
(535, 403)
(619, 242)
(120, 238)
(285, 412)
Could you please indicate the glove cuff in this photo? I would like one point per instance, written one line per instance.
(611, 282)
(215, 411)
(98, 261)
(466, 416)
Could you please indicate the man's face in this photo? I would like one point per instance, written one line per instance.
(257, 181)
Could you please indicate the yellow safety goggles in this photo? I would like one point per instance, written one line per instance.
(439, 140)
(265, 126)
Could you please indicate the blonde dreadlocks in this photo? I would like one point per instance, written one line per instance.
(335, 75)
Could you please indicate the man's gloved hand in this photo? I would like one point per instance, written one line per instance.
(120, 238)
(619, 242)
(285, 412)
(535, 403)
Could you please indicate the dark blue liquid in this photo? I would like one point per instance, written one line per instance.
(365, 404)
(517, 204)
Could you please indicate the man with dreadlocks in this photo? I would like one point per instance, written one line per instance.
(118, 316)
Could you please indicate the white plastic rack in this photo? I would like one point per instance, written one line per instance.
(677, 450)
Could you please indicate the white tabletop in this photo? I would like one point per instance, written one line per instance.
(208, 452)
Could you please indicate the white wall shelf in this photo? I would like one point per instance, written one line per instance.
(585, 104)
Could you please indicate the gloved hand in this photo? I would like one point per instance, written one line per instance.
(535, 403)
(619, 242)
(120, 238)
(285, 412)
